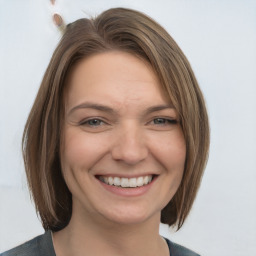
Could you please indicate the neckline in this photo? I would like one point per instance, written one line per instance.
(168, 243)
(50, 242)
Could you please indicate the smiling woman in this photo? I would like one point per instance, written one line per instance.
(110, 153)
(116, 141)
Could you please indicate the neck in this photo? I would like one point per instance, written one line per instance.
(96, 236)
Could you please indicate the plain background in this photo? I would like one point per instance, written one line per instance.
(219, 39)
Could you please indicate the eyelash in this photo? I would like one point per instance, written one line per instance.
(87, 122)
(167, 121)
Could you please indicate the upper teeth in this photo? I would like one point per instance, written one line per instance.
(127, 182)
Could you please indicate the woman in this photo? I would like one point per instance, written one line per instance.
(116, 141)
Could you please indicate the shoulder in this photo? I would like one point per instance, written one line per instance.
(38, 246)
(179, 250)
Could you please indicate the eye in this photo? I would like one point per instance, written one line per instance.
(94, 125)
(164, 121)
(94, 122)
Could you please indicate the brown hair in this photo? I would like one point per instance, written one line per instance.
(133, 32)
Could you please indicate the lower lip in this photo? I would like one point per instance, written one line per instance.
(128, 192)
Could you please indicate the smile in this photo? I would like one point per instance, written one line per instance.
(126, 182)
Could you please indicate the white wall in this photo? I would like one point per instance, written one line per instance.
(219, 38)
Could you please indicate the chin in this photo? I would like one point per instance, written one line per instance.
(131, 216)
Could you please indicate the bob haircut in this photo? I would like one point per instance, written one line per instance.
(123, 30)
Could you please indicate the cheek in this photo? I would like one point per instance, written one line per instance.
(171, 151)
(81, 149)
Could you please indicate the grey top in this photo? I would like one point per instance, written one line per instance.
(43, 246)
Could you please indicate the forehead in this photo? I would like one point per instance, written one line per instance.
(116, 76)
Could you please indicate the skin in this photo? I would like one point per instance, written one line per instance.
(134, 132)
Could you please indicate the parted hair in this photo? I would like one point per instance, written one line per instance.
(133, 32)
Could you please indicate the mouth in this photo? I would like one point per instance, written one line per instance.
(127, 182)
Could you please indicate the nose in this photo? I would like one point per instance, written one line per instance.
(130, 146)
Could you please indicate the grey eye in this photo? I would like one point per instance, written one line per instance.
(94, 122)
(163, 121)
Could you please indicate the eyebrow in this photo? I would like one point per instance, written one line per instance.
(158, 108)
(110, 110)
(93, 106)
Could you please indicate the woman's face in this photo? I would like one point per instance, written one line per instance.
(123, 149)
